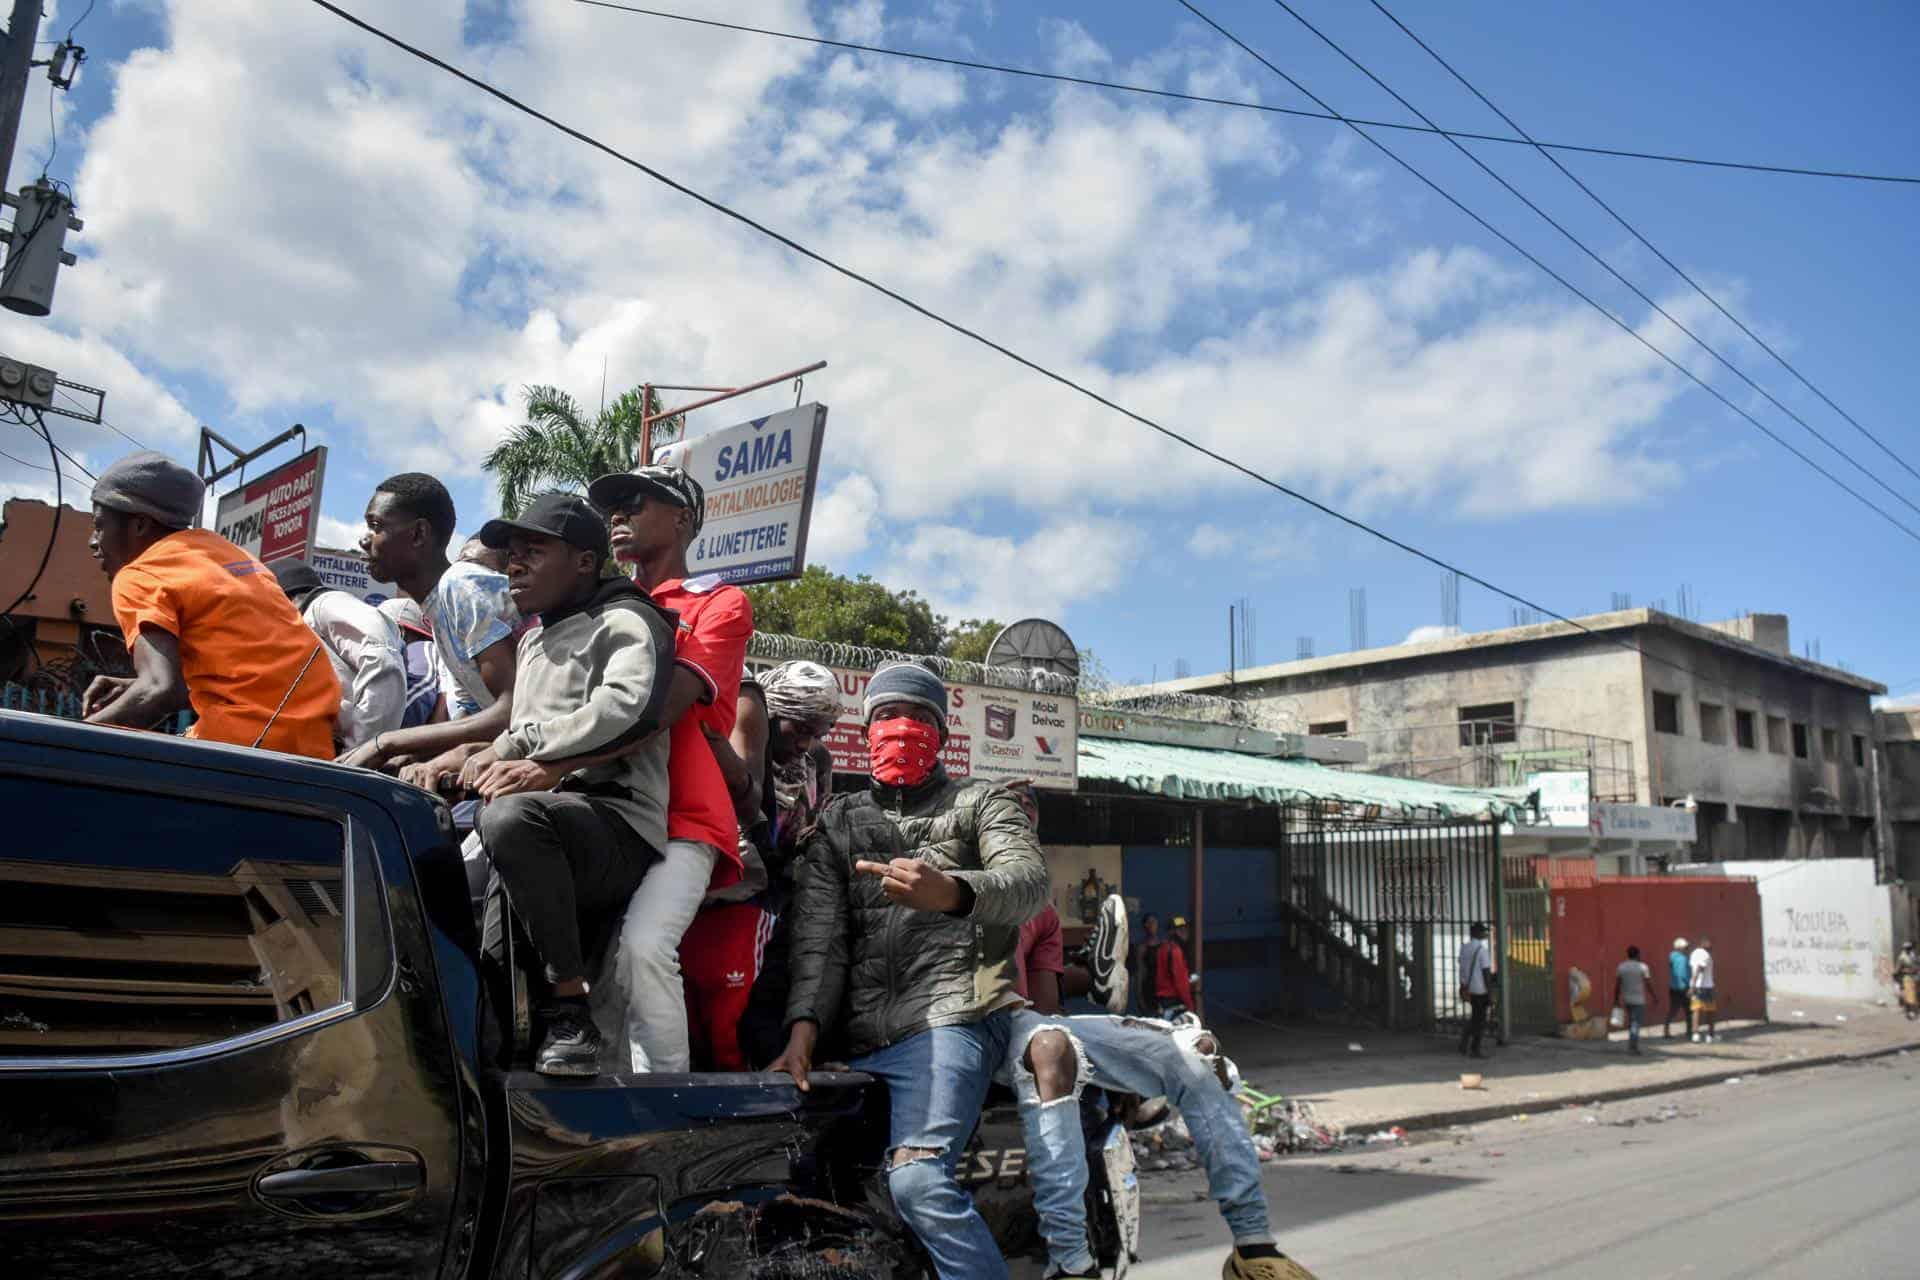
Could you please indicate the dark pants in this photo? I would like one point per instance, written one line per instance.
(563, 857)
(1476, 1028)
(1677, 1002)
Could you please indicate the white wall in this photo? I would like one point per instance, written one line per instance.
(1827, 926)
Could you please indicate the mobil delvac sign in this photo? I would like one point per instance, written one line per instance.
(759, 478)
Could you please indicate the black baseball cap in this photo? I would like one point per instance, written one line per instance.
(565, 516)
(656, 480)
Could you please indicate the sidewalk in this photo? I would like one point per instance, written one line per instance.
(1413, 1080)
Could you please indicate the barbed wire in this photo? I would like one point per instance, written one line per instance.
(1275, 715)
(784, 648)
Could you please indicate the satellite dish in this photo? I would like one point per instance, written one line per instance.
(1034, 644)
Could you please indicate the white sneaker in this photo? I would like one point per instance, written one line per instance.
(1107, 955)
(1696, 1037)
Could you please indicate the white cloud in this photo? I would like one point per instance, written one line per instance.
(300, 216)
(1422, 635)
(973, 575)
(342, 535)
(1257, 544)
(1210, 540)
(843, 521)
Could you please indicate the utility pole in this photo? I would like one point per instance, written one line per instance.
(16, 67)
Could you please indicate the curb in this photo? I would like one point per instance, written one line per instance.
(1475, 1115)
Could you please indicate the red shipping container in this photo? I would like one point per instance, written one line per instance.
(1594, 925)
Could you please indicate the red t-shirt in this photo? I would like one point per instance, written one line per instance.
(715, 624)
(1040, 949)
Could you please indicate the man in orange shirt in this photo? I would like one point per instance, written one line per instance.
(205, 623)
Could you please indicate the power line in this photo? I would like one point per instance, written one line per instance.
(75, 402)
(1608, 267)
(24, 463)
(1208, 100)
(1634, 232)
(1571, 287)
(16, 417)
(970, 334)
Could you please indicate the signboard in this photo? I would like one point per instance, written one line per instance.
(347, 570)
(759, 478)
(998, 734)
(1566, 797)
(1644, 822)
(276, 515)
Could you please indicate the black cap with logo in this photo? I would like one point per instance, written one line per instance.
(657, 480)
(565, 516)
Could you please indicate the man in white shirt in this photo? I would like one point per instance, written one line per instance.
(362, 644)
(1630, 984)
(1476, 974)
(1701, 963)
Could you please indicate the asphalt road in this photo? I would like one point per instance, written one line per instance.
(1811, 1173)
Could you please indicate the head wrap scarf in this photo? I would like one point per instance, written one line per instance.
(804, 692)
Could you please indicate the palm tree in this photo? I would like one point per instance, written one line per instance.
(558, 446)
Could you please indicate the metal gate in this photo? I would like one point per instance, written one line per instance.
(1525, 950)
(1379, 907)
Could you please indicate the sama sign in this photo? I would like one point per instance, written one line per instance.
(278, 514)
(759, 478)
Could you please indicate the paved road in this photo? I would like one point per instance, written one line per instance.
(1810, 1173)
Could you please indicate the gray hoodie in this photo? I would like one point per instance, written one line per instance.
(591, 679)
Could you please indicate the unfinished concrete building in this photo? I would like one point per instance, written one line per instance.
(1776, 751)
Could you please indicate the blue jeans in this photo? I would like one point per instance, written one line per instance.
(937, 1083)
(1636, 1015)
(1128, 1055)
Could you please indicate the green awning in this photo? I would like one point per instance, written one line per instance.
(1195, 773)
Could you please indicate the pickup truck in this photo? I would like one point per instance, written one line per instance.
(247, 1028)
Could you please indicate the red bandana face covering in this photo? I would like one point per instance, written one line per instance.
(904, 751)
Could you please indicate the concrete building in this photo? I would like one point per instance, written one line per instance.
(1899, 733)
(1776, 752)
(62, 633)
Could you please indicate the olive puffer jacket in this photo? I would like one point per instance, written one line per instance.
(893, 970)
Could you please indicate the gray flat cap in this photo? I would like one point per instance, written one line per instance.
(151, 484)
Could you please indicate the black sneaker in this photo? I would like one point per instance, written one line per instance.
(572, 1044)
(1107, 955)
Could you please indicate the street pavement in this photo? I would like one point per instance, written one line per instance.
(1414, 1080)
(1807, 1173)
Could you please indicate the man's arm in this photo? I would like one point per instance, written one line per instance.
(425, 740)
(1046, 962)
(624, 707)
(1043, 991)
(817, 955)
(743, 757)
(156, 690)
(1011, 885)
(378, 695)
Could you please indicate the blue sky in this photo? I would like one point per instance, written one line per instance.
(286, 223)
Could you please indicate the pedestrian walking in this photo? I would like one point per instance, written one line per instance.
(1700, 966)
(1146, 962)
(1906, 972)
(1679, 980)
(1172, 981)
(1631, 983)
(1476, 978)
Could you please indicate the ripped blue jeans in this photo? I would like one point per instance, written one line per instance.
(1128, 1055)
(937, 1085)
